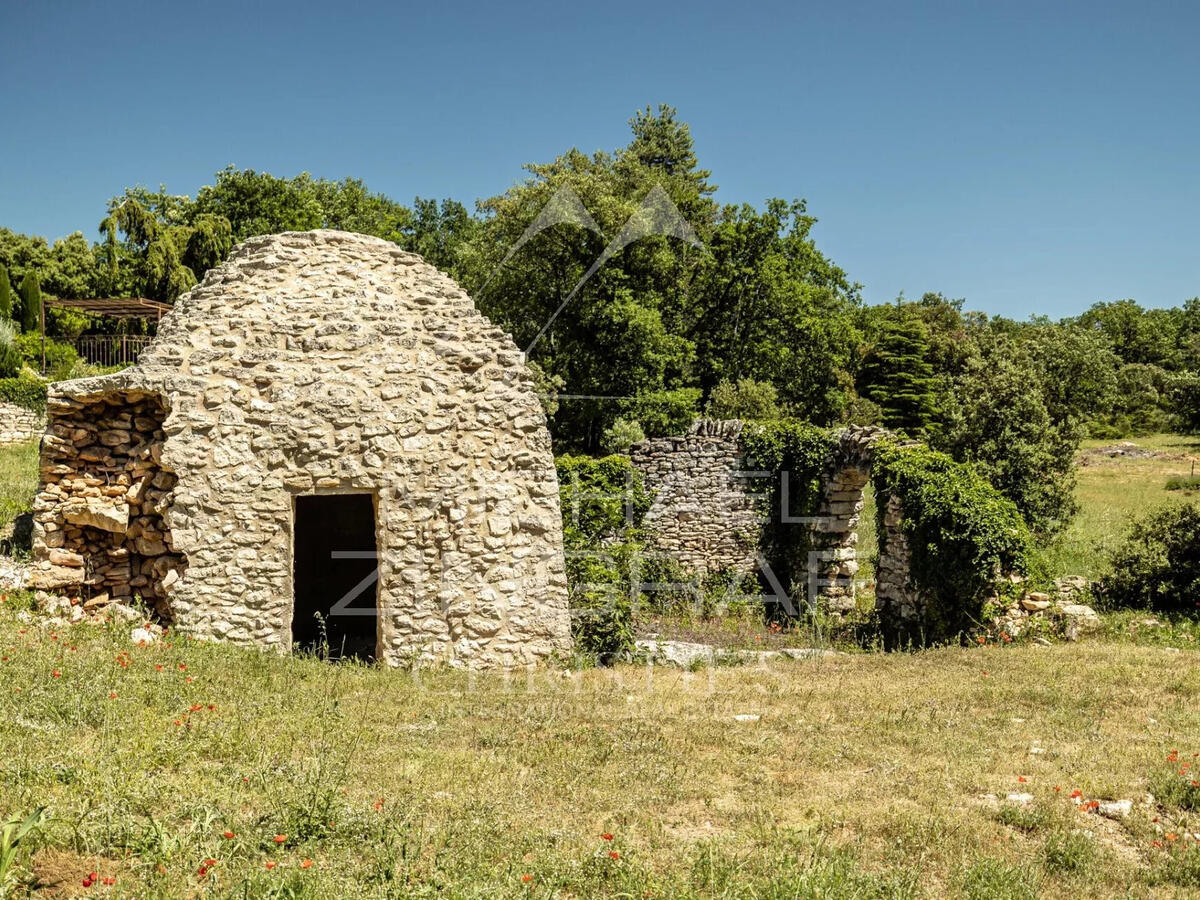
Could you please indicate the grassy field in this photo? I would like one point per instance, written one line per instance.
(862, 775)
(186, 769)
(1112, 490)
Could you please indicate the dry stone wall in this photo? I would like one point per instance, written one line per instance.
(703, 515)
(99, 513)
(709, 515)
(18, 424)
(321, 362)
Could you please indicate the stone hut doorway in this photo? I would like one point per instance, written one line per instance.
(335, 576)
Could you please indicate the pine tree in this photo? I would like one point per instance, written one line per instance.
(898, 376)
(5, 296)
(31, 303)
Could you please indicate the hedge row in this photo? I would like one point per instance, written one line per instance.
(24, 390)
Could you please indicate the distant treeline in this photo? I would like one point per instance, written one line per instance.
(756, 322)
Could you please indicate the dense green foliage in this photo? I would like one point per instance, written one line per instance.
(643, 301)
(5, 296)
(897, 372)
(603, 504)
(31, 302)
(962, 533)
(1157, 566)
(24, 390)
(10, 356)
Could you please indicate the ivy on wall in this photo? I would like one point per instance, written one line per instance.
(962, 533)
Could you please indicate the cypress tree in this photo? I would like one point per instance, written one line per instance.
(31, 302)
(898, 376)
(5, 296)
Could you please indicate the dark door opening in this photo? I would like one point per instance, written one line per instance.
(334, 573)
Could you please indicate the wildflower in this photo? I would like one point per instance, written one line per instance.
(1057, 789)
(228, 835)
(188, 680)
(1172, 836)
(527, 878)
(1076, 794)
(270, 864)
(985, 672)
(606, 836)
(183, 667)
(178, 722)
(158, 667)
(378, 804)
(108, 879)
(196, 707)
(1022, 779)
(56, 673)
(112, 695)
(981, 639)
(306, 863)
(1157, 844)
(613, 854)
(280, 838)
(212, 707)
(1173, 756)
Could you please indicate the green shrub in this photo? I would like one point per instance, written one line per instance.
(10, 357)
(962, 534)
(663, 413)
(603, 504)
(621, 435)
(1184, 483)
(60, 358)
(745, 399)
(1157, 566)
(24, 390)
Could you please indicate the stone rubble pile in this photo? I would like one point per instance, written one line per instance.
(1060, 611)
(99, 515)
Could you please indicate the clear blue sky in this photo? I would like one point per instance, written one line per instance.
(1031, 160)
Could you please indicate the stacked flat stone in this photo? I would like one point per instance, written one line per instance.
(99, 513)
(18, 424)
(707, 516)
(315, 362)
(702, 514)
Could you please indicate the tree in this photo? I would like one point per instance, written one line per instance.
(31, 303)
(5, 296)
(745, 399)
(896, 373)
(998, 419)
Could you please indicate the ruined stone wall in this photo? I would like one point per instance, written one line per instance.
(323, 362)
(703, 515)
(710, 515)
(18, 424)
(100, 509)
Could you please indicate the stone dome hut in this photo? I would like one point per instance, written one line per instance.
(327, 444)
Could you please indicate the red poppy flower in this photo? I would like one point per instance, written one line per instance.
(270, 865)
(613, 854)
(527, 878)
(606, 836)
(112, 695)
(228, 835)
(280, 838)
(109, 879)
(56, 673)
(1076, 794)
(1022, 779)
(158, 667)
(306, 863)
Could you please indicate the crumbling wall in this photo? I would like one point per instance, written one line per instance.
(703, 515)
(18, 424)
(709, 514)
(99, 515)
